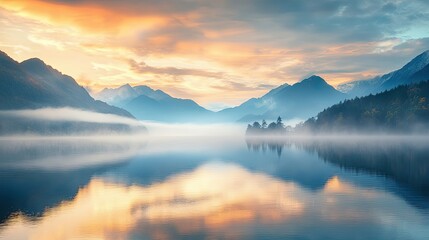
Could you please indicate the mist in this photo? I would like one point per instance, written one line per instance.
(66, 121)
(69, 115)
(71, 121)
(194, 129)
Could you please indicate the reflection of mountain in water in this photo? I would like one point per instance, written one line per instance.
(403, 161)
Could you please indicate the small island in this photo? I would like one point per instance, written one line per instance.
(274, 128)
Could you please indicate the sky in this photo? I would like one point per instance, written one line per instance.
(218, 53)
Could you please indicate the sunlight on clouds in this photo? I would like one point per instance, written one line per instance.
(387, 45)
(46, 42)
(82, 16)
(197, 50)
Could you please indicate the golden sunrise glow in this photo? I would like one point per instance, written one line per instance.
(201, 50)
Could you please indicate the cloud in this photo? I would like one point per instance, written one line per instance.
(47, 42)
(142, 67)
(199, 48)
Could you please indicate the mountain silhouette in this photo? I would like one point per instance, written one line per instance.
(300, 100)
(32, 84)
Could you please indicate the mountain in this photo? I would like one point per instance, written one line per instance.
(122, 95)
(420, 76)
(405, 75)
(402, 109)
(167, 109)
(117, 96)
(253, 106)
(32, 84)
(156, 105)
(300, 100)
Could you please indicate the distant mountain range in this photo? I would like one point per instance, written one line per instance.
(148, 104)
(413, 72)
(300, 100)
(122, 95)
(32, 84)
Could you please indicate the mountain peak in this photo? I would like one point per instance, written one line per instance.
(34, 62)
(313, 80)
(126, 86)
(419, 61)
(33, 84)
(3, 54)
(6, 61)
(36, 66)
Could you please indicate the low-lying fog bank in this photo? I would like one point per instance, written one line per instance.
(75, 123)
(341, 136)
(65, 121)
(70, 122)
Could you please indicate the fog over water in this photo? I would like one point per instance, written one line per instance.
(68, 115)
(199, 181)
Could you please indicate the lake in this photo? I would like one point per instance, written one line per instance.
(216, 187)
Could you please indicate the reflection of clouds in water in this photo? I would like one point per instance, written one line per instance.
(71, 153)
(215, 198)
(215, 195)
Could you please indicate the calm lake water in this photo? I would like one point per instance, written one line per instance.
(214, 188)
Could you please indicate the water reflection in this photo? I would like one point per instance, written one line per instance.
(197, 188)
(214, 196)
(403, 160)
(218, 200)
(66, 153)
(36, 174)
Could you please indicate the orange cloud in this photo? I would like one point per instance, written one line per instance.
(87, 17)
(197, 50)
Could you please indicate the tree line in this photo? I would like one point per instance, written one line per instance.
(402, 109)
(276, 127)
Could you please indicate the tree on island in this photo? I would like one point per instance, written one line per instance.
(276, 127)
(256, 125)
(279, 123)
(272, 126)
